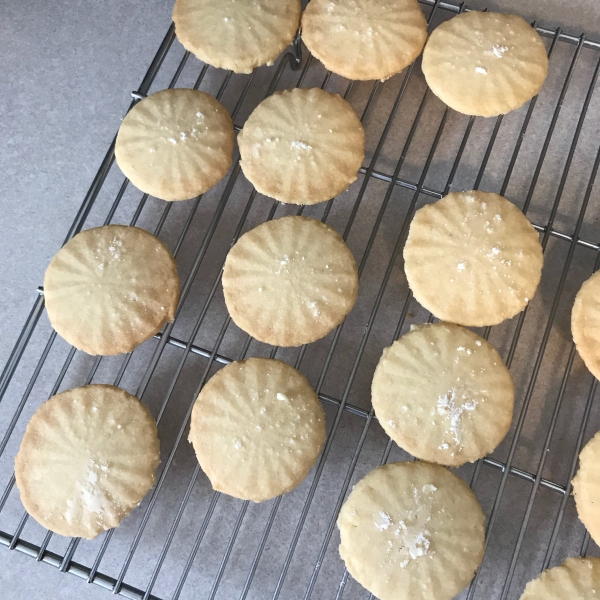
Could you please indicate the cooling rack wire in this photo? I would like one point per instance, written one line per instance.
(186, 540)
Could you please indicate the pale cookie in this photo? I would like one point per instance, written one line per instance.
(473, 258)
(236, 35)
(485, 63)
(290, 281)
(586, 487)
(111, 288)
(175, 144)
(364, 39)
(585, 323)
(87, 459)
(257, 429)
(575, 579)
(302, 146)
(443, 394)
(412, 531)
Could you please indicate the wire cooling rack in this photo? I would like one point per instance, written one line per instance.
(186, 541)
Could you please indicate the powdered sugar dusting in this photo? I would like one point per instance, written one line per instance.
(296, 145)
(481, 70)
(383, 521)
(496, 51)
(446, 406)
(114, 249)
(283, 264)
(70, 512)
(411, 537)
(314, 309)
(91, 494)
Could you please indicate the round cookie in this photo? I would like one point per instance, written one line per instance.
(110, 288)
(485, 63)
(257, 429)
(473, 258)
(175, 144)
(290, 281)
(412, 531)
(585, 323)
(586, 487)
(302, 146)
(369, 39)
(87, 459)
(236, 35)
(576, 578)
(443, 394)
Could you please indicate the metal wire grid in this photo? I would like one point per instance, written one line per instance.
(322, 552)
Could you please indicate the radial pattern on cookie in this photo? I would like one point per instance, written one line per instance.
(87, 459)
(586, 487)
(236, 35)
(472, 258)
(302, 146)
(290, 281)
(257, 428)
(443, 394)
(366, 39)
(485, 64)
(575, 578)
(111, 288)
(411, 531)
(175, 144)
(585, 323)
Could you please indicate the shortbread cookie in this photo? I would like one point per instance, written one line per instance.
(485, 63)
(412, 531)
(585, 323)
(236, 35)
(364, 39)
(111, 288)
(473, 258)
(257, 429)
(443, 394)
(290, 281)
(575, 579)
(87, 459)
(302, 146)
(586, 487)
(175, 144)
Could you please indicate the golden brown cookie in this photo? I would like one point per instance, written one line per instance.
(485, 63)
(257, 429)
(575, 579)
(175, 144)
(585, 323)
(87, 459)
(111, 288)
(236, 35)
(302, 146)
(290, 281)
(472, 258)
(412, 531)
(586, 487)
(443, 394)
(364, 39)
